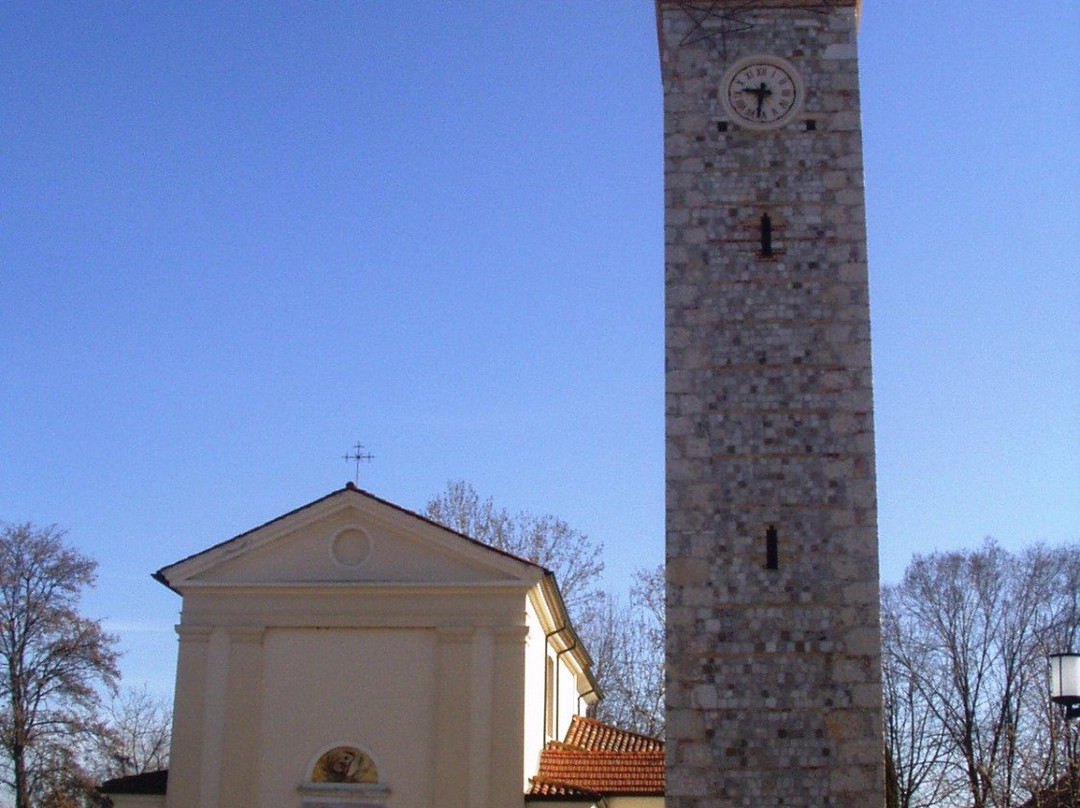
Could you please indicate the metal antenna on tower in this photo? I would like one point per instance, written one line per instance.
(358, 455)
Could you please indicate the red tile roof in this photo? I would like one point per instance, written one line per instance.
(597, 759)
(588, 733)
(541, 787)
(607, 773)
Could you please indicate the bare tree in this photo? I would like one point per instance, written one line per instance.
(52, 660)
(625, 639)
(649, 590)
(966, 635)
(627, 646)
(64, 780)
(546, 540)
(914, 740)
(139, 732)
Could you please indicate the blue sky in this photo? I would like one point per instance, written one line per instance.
(237, 238)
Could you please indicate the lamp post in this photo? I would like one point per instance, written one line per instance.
(1065, 683)
(1065, 690)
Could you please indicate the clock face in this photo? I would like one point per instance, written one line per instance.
(762, 92)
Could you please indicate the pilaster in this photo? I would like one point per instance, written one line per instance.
(452, 702)
(188, 715)
(242, 732)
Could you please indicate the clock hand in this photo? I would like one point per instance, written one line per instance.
(762, 92)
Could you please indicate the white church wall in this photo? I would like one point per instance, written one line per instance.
(535, 735)
(557, 687)
(367, 688)
(431, 704)
(566, 694)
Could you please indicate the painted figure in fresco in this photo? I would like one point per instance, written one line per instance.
(345, 764)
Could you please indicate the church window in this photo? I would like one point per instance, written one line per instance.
(772, 550)
(766, 236)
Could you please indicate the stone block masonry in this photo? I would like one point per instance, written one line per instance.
(774, 695)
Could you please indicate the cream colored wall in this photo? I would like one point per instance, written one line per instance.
(534, 735)
(369, 688)
(432, 687)
(398, 550)
(567, 702)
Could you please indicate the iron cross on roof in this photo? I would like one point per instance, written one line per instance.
(359, 456)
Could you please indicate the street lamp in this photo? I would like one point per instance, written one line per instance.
(1065, 683)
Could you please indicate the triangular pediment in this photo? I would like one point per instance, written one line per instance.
(346, 537)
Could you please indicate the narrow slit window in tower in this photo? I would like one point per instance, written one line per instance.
(772, 551)
(766, 236)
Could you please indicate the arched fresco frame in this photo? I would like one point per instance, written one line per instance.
(342, 775)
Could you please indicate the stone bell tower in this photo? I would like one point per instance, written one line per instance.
(774, 694)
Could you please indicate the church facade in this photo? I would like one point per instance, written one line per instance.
(352, 654)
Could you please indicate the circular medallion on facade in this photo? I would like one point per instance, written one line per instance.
(350, 547)
(762, 92)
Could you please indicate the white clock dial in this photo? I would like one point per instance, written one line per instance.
(762, 92)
